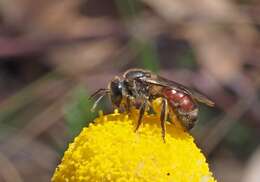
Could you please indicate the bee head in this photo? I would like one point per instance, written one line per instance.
(116, 88)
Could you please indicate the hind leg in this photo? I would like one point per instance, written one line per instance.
(163, 117)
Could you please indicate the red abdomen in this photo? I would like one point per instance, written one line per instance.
(178, 99)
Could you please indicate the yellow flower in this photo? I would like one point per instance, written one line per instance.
(110, 150)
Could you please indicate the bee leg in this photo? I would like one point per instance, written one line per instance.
(171, 116)
(128, 105)
(169, 119)
(150, 107)
(163, 117)
(141, 115)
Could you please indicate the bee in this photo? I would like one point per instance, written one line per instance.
(139, 88)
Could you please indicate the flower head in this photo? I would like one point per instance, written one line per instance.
(110, 150)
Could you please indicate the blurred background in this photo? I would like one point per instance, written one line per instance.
(54, 53)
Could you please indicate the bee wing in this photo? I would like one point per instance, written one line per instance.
(202, 98)
(157, 80)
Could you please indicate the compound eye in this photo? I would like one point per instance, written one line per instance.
(116, 91)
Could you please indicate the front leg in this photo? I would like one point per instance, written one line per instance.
(163, 118)
(128, 104)
(141, 115)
